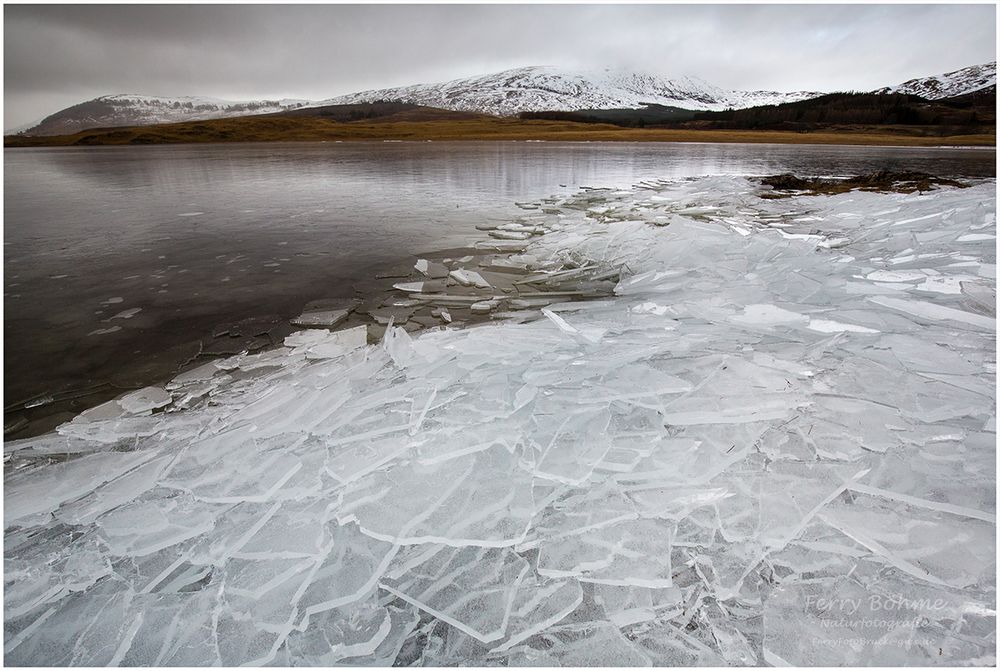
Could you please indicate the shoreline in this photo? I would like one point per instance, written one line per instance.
(222, 131)
(44, 413)
(387, 296)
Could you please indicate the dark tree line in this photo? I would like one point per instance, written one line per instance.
(966, 113)
(845, 108)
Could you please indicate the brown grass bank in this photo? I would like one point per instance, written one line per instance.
(292, 128)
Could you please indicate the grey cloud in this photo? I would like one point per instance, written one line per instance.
(57, 55)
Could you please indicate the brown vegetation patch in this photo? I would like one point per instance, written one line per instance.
(881, 181)
(441, 125)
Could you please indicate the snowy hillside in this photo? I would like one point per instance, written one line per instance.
(959, 82)
(139, 110)
(539, 88)
(545, 88)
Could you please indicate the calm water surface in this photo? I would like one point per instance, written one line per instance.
(196, 236)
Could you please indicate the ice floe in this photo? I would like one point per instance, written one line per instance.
(739, 431)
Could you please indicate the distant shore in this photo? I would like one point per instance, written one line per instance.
(317, 129)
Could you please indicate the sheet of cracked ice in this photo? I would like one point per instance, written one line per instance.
(775, 444)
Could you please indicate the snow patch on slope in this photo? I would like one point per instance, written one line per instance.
(130, 109)
(950, 84)
(547, 88)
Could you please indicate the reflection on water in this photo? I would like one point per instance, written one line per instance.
(199, 235)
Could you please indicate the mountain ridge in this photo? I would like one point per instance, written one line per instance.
(949, 84)
(505, 93)
(132, 109)
(550, 88)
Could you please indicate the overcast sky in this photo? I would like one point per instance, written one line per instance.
(59, 55)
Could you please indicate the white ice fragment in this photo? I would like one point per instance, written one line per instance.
(651, 308)
(590, 334)
(934, 312)
(769, 315)
(110, 329)
(126, 314)
(305, 338)
(108, 410)
(834, 243)
(945, 285)
(350, 570)
(483, 307)
(509, 235)
(27, 494)
(472, 589)
(339, 343)
(578, 446)
(398, 344)
(430, 503)
(830, 326)
(981, 294)
(539, 604)
(321, 318)
(144, 400)
(201, 373)
(896, 275)
(469, 278)
(633, 553)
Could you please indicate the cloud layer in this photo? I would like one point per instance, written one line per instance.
(55, 56)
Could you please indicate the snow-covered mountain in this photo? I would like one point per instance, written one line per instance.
(959, 82)
(538, 88)
(545, 88)
(139, 110)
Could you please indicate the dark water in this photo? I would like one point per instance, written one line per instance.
(196, 236)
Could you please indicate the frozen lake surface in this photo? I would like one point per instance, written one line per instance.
(774, 445)
(119, 261)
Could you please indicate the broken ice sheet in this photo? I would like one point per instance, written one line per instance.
(818, 622)
(353, 630)
(144, 400)
(597, 644)
(152, 523)
(627, 605)
(35, 493)
(44, 572)
(578, 511)
(350, 569)
(403, 619)
(632, 552)
(954, 550)
(90, 629)
(469, 278)
(737, 392)
(321, 319)
(114, 493)
(663, 484)
(431, 503)
(579, 444)
(669, 645)
(537, 605)
(471, 588)
(258, 479)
